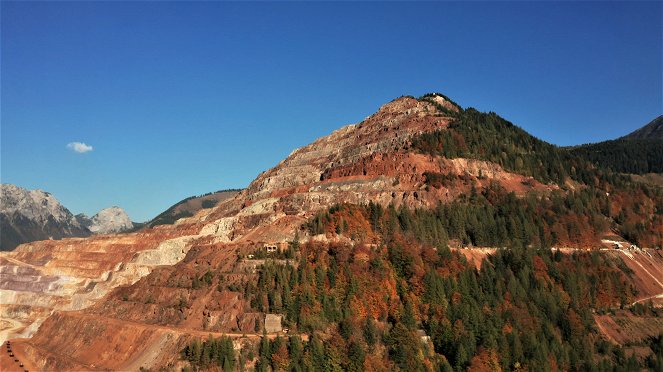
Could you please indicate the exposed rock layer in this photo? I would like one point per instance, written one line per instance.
(40, 277)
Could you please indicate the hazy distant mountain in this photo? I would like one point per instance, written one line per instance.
(109, 220)
(29, 215)
(653, 130)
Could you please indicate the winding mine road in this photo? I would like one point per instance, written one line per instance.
(660, 295)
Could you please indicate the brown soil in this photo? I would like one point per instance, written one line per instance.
(476, 256)
(647, 266)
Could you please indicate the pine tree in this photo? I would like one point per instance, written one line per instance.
(370, 332)
(296, 351)
(408, 318)
(356, 355)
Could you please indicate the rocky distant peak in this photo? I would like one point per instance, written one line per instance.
(36, 205)
(29, 215)
(110, 220)
(84, 220)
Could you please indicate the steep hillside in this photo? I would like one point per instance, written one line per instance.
(653, 130)
(372, 226)
(29, 215)
(636, 156)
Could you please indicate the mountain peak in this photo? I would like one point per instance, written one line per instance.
(374, 201)
(441, 100)
(400, 104)
(424, 104)
(28, 215)
(36, 205)
(109, 220)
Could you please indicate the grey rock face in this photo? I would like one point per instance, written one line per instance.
(110, 220)
(29, 215)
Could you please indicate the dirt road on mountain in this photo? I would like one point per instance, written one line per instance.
(180, 330)
(653, 298)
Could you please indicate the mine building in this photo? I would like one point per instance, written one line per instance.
(275, 247)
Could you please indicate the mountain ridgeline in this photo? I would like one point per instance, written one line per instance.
(652, 130)
(427, 237)
(29, 215)
(108, 220)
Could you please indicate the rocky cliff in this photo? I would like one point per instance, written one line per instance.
(357, 163)
(69, 274)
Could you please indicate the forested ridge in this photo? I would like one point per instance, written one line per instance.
(637, 156)
(607, 200)
(488, 136)
(399, 298)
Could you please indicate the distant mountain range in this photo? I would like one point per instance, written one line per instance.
(30, 215)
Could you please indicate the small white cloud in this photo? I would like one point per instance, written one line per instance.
(79, 147)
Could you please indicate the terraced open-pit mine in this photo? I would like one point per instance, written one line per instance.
(127, 301)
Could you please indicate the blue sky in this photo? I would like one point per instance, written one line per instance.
(178, 99)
